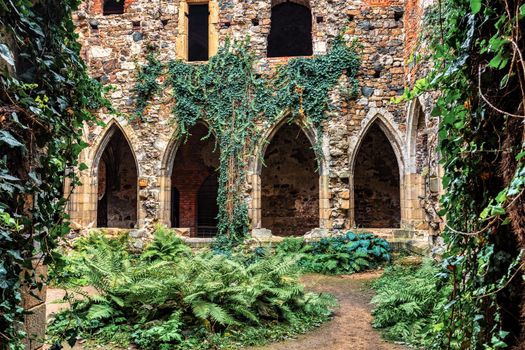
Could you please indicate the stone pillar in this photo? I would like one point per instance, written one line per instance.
(165, 200)
(34, 302)
(324, 202)
(256, 201)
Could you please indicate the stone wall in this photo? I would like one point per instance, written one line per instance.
(114, 46)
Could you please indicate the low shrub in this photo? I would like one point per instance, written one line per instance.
(343, 254)
(171, 298)
(407, 301)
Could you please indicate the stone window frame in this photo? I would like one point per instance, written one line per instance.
(181, 44)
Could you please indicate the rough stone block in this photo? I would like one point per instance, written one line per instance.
(261, 233)
(35, 326)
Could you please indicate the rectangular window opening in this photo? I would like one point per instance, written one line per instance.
(198, 32)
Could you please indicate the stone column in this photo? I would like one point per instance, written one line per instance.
(34, 302)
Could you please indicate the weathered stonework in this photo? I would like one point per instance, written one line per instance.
(115, 46)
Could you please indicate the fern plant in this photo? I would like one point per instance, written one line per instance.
(165, 246)
(175, 294)
(407, 302)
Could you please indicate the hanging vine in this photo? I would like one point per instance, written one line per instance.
(45, 97)
(479, 71)
(232, 98)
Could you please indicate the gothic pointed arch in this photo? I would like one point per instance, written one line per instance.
(377, 181)
(116, 171)
(289, 183)
(191, 167)
(417, 137)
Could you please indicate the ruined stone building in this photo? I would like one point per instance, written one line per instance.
(379, 168)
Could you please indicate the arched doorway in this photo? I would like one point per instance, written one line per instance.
(194, 175)
(377, 182)
(290, 184)
(117, 183)
(291, 30)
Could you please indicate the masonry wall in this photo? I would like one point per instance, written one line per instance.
(114, 46)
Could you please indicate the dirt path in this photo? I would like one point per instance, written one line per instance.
(351, 327)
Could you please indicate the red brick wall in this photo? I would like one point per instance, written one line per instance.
(194, 162)
(412, 21)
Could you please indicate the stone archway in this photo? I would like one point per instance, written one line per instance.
(117, 183)
(289, 184)
(194, 163)
(377, 191)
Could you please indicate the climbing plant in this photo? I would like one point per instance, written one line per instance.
(230, 96)
(45, 97)
(479, 71)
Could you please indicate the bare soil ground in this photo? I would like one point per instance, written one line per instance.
(351, 327)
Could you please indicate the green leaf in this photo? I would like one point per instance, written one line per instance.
(498, 61)
(6, 55)
(6, 137)
(475, 6)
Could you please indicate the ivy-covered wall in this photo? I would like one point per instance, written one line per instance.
(117, 46)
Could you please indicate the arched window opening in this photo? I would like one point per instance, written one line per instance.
(291, 31)
(207, 207)
(113, 7)
(377, 182)
(194, 168)
(117, 184)
(290, 184)
(421, 140)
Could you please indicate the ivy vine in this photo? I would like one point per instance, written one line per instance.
(233, 99)
(479, 71)
(45, 98)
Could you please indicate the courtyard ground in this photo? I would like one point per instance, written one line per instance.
(350, 329)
